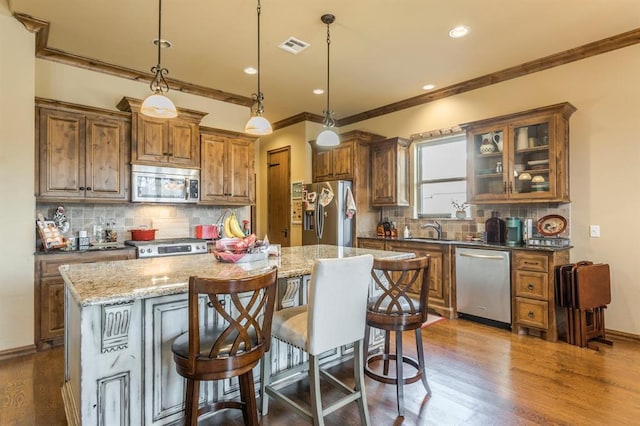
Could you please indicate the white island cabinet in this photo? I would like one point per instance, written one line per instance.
(121, 318)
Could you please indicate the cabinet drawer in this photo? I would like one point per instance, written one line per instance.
(530, 261)
(532, 284)
(532, 313)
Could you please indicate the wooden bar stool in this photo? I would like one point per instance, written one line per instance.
(391, 308)
(335, 316)
(231, 344)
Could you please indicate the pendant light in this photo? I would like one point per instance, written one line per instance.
(257, 124)
(158, 105)
(328, 137)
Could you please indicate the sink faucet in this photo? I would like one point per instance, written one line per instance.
(435, 226)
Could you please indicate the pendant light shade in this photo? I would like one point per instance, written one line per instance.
(328, 137)
(158, 105)
(257, 124)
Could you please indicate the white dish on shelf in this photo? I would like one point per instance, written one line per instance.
(537, 162)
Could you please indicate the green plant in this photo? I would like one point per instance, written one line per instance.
(459, 206)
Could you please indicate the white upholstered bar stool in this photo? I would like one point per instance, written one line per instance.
(334, 316)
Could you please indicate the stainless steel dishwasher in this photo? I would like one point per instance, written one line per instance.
(483, 285)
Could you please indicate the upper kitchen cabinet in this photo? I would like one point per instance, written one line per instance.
(227, 173)
(520, 158)
(342, 162)
(173, 142)
(390, 181)
(82, 154)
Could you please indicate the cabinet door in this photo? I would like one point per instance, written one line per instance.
(107, 171)
(390, 173)
(51, 308)
(213, 167)
(183, 144)
(371, 244)
(240, 171)
(151, 138)
(342, 161)
(61, 154)
(488, 164)
(322, 166)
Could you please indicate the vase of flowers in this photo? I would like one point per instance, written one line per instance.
(461, 209)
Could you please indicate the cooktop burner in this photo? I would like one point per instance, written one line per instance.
(168, 247)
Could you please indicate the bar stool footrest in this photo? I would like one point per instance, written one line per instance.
(387, 378)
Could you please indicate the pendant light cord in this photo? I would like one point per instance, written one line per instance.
(328, 114)
(158, 83)
(259, 97)
(159, 31)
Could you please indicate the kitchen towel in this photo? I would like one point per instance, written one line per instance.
(351, 204)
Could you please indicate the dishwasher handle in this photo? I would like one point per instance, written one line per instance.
(482, 256)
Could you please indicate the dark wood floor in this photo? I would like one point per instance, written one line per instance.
(479, 376)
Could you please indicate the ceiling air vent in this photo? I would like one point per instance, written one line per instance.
(293, 45)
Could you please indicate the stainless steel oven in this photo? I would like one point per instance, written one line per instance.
(164, 184)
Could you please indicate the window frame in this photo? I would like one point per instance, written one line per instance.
(418, 183)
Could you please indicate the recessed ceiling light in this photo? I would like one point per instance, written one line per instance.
(459, 31)
(250, 70)
(318, 91)
(428, 86)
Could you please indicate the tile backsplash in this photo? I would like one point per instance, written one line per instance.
(460, 229)
(129, 216)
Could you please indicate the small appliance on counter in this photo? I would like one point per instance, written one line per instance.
(514, 231)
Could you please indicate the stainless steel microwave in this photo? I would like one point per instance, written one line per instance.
(164, 184)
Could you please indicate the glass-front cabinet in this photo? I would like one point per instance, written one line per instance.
(519, 158)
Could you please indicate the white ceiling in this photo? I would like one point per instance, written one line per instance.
(382, 51)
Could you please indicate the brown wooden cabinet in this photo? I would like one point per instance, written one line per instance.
(81, 153)
(228, 168)
(519, 158)
(440, 268)
(390, 181)
(173, 142)
(49, 291)
(534, 304)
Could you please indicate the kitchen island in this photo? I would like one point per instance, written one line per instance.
(122, 316)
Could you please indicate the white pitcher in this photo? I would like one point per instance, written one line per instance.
(522, 138)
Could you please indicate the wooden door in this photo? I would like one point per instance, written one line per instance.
(106, 151)
(182, 146)
(279, 196)
(61, 154)
(241, 171)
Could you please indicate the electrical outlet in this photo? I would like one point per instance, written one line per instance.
(594, 231)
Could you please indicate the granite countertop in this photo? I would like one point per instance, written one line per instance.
(477, 244)
(125, 280)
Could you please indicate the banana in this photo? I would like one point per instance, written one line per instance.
(235, 226)
(227, 228)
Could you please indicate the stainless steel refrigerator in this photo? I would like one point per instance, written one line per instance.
(328, 222)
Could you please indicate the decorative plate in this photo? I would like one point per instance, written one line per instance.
(552, 224)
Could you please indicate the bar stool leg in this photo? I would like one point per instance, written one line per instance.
(387, 338)
(192, 396)
(314, 387)
(358, 374)
(248, 396)
(399, 374)
(265, 376)
(425, 383)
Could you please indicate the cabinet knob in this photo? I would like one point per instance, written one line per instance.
(88, 188)
(530, 286)
(82, 188)
(530, 314)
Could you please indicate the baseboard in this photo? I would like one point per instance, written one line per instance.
(622, 335)
(17, 352)
(70, 407)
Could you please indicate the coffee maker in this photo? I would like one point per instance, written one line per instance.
(514, 231)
